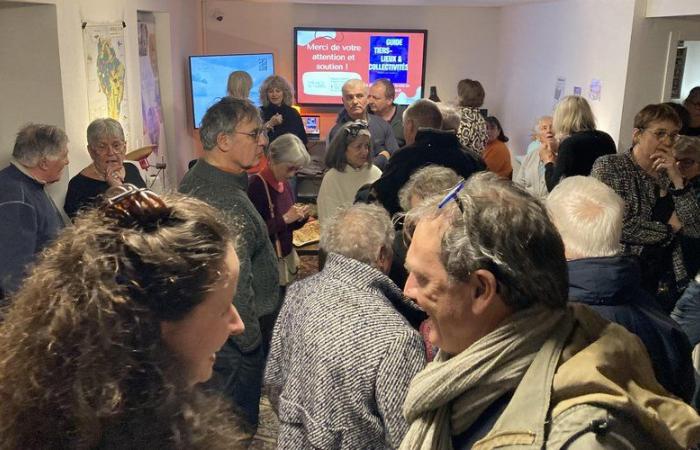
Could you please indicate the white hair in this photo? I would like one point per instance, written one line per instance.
(359, 232)
(425, 182)
(588, 215)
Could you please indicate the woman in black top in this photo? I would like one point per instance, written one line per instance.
(276, 110)
(581, 144)
(107, 148)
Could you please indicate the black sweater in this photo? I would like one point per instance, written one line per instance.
(577, 153)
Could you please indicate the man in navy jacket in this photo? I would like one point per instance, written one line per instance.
(588, 215)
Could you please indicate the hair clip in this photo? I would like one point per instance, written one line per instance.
(356, 127)
(135, 206)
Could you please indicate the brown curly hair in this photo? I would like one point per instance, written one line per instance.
(82, 364)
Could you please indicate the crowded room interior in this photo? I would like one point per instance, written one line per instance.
(344, 225)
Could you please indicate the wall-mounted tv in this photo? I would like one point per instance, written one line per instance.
(325, 58)
(209, 76)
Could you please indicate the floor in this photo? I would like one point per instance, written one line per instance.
(266, 437)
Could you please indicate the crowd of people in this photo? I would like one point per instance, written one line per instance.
(464, 299)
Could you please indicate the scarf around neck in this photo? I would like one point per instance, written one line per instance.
(450, 394)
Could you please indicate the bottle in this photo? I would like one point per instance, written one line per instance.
(433, 94)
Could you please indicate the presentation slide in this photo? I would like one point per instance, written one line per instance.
(325, 59)
(209, 75)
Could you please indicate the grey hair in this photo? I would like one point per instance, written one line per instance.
(359, 232)
(239, 84)
(103, 128)
(354, 82)
(223, 117)
(288, 148)
(426, 182)
(424, 113)
(588, 215)
(450, 116)
(536, 125)
(687, 147)
(506, 231)
(276, 81)
(36, 141)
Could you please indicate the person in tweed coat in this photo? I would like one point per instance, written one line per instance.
(342, 357)
(659, 206)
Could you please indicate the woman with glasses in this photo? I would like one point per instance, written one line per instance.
(116, 325)
(107, 148)
(580, 144)
(349, 160)
(660, 207)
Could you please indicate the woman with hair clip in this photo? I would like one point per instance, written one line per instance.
(349, 160)
(116, 324)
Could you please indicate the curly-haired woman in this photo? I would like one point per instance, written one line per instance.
(117, 323)
(280, 118)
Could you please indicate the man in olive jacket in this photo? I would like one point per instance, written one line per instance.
(519, 368)
(233, 139)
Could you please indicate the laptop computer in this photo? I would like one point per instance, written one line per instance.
(312, 126)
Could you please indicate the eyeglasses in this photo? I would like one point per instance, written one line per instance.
(663, 134)
(354, 128)
(255, 134)
(116, 146)
(135, 206)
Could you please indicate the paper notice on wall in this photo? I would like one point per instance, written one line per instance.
(595, 90)
(577, 90)
(559, 87)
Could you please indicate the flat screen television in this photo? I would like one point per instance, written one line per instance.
(325, 58)
(209, 76)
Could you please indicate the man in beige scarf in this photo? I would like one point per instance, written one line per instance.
(517, 367)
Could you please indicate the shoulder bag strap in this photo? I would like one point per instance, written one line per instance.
(278, 247)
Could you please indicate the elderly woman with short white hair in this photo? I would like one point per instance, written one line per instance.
(269, 190)
(107, 148)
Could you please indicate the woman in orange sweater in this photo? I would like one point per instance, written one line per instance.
(497, 155)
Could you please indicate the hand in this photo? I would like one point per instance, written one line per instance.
(664, 161)
(114, 173)
(295, 214)
(546, 153)
(675, 222)
(276, 120)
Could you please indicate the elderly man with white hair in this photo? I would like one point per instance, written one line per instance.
(342, 356)
(29, 219)
(588, 215)
(355, 102)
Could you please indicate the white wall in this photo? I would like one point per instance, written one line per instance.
(30, 81)
(665, 8)
(182, 35)
(580, 40)
(650, 63)
(691, 74)
(462, 42)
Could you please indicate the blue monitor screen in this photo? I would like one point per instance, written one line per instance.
(209, 76)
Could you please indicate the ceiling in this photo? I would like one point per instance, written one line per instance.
(407, 2)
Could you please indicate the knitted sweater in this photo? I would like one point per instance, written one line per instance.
(257, 293)
(338, 189)
(341, 360)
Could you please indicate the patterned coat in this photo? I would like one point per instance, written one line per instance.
(640, 193)
(472, 129)
(341, 360)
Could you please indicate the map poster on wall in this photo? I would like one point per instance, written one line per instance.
(105, 60)
(151, 108)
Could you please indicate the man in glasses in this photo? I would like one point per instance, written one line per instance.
(355, 108)
(29, 219)
(516, 364)
(233, 140)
